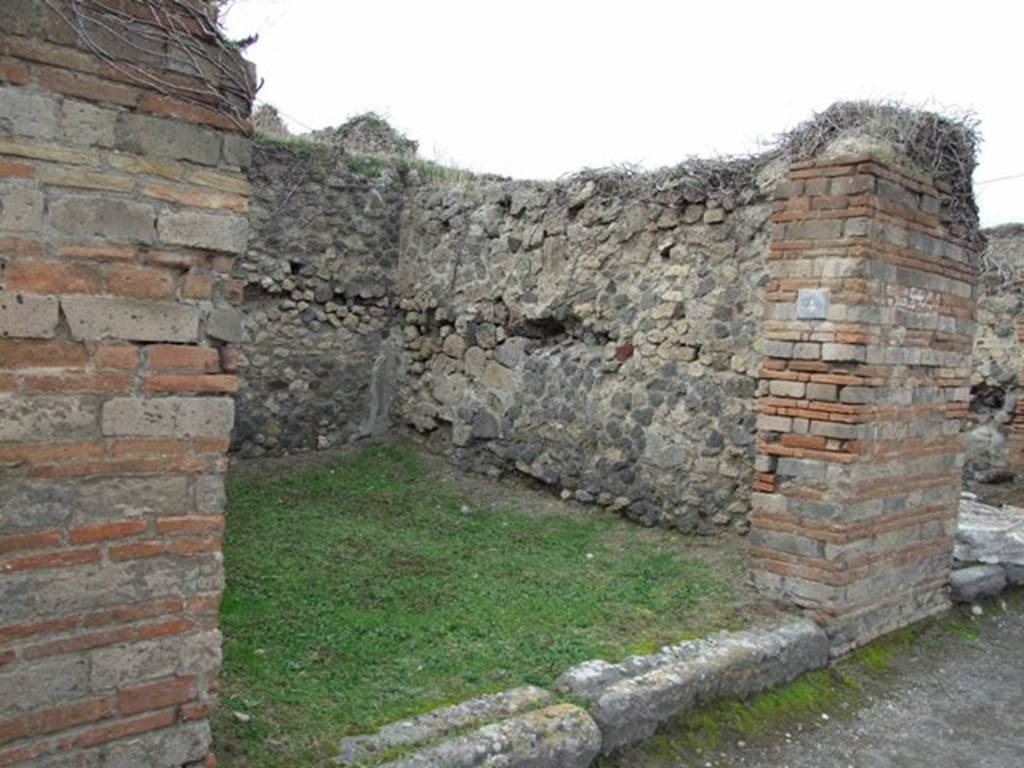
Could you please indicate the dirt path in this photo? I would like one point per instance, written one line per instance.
(947, 702)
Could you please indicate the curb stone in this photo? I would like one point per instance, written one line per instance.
(628, 701)
(357, 750)
(561, 736)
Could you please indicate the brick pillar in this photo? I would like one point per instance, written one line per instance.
(867, 337)
(121, 209)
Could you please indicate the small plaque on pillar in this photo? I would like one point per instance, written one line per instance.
(812, 304)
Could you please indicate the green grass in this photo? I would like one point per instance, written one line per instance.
(382, 585)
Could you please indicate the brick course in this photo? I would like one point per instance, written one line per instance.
(113, 416)
(860, 412)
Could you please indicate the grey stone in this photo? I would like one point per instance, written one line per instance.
(212, 231)
(168, 416)
(41, 416)
(21, 207)
(987, 534)
(562, 735)
(101, 317)
(977, 582)
(441, 722)
(26, 316)
(110, 218)
(86, 124)
(657, 688)
(170, 139)
(28, 113)
(224, 324)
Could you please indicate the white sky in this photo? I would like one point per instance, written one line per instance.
(537, 89)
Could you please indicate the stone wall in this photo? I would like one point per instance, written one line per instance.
(595, 334)
(868, 333)
(995, 442)
(121, 209)
(319, 274)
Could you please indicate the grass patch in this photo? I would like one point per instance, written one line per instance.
(380, 586)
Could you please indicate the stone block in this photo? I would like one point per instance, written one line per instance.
(46, 417)
(44, 683)
(562, 735)
(87, 124)
(28, 113)
(93, 317)
(29, 504)
(438, 723)
(977, 582)
(224, 324)
(107, 217)
(734, 664)
(817, 391)
(787, 388)
(169, 139)
(773, 348)
(27, 316)
(195, 654)
(769, 423)
(169, 416)
(21, 208)
(843, 352)
(209, 231)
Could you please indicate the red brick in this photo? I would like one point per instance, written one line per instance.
(83, 86)
(118, 357)
(28, 751)
(142, 282)
(188, 547)
(117, 529)
(43, 452)
(14, 542)
(212, 444)
(110, 468)
(41, 627)
(138, 550)
(230, 359)
(15, 169)
(233, 290)
(190, 524)
(98, 252)
(135, 612)
(54, 560)
(199, 710)
(156, 695)
(20, 246)
(78, 643)
(145, 446)
(18, 353)
(191, 383)
(53, 277)
(172, 357)
(54, 719)
(17, 73)
(195, 196)
(79, 383)
(164, 629)
(164, 105)
(197, 286)
(124, 728)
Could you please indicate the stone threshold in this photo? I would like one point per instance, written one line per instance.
(596, 707)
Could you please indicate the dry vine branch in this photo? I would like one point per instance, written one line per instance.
(178, 34)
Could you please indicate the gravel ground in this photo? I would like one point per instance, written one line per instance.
(947, 701)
